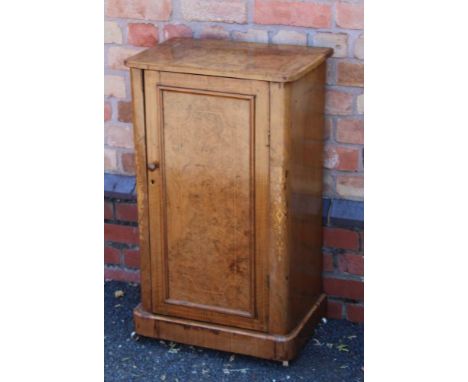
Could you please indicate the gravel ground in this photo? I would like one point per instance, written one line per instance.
(334, 353)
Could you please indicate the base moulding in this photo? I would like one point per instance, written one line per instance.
(230, 339)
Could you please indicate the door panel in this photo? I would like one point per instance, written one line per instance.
(208, 197)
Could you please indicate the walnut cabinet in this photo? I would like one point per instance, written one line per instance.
(228, 139)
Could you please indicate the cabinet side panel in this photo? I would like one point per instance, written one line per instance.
(305, 192)
(279, 262)
(139, 132)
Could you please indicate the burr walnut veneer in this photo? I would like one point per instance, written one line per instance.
(228, 140)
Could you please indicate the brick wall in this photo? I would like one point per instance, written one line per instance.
(134, 25)
(121, 254)
(343, 271)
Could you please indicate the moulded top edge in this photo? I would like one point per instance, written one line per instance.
(267, 62)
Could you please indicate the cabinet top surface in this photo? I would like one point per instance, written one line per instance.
(267, 62)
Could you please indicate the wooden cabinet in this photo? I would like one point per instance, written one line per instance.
(228, 140)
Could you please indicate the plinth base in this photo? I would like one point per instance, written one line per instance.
(229, 339)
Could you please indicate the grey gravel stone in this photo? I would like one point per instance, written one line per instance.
(155, 360)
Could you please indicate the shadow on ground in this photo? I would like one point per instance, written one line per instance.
(334, 353)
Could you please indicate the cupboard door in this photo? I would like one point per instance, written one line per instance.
(207, 143)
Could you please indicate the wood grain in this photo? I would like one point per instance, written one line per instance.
(139, 133)
(229, 177)
(305, 192)
(208, 146)
(229, 339)
(209, 197)
(280, 124)
(281, 63)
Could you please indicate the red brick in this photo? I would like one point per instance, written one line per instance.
(337, 102)
(112, 33)
(139, 9)
(215, 32)
(126, 212)
(351, 263)
(350, 186)
(125, 111)
(359, 48)
(118, 136)
(343, 288)
(114, 86)
(337, 41)
(315, 15)
(334, 309)
(350, 131)
(121, 234)
(328, 128)
(116, 56)
(327, 263)
(110, 159)
(341, 158)
(107, 111)
(350, 74)
(350, 15)
(355, 313)
(128, 162)
(252, 35)
(119, 274)
(108, 210)
(142, 35)
(176, 30)
(340, 238)
(290, 37)
(227, 11)
(111, 255)
(132, 258)
(328, 183)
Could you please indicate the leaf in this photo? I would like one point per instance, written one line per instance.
(173, 349)
(342, 347)
(351, 337)
(317, 342)
(119, 293)
(231, 358)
